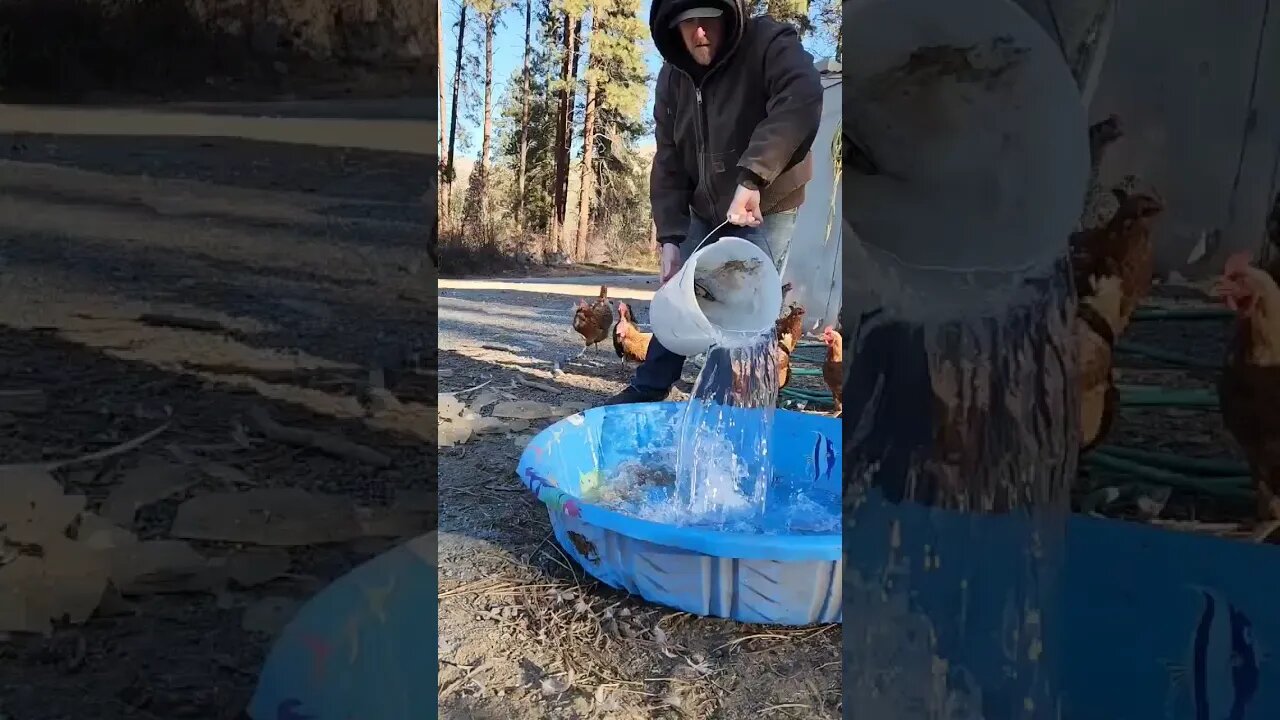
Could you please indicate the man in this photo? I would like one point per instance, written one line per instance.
(737, 106)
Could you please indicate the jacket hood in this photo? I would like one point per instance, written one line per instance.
(667, 39)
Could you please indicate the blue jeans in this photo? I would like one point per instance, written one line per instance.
(661, 368)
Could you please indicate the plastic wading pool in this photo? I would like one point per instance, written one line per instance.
(783, 579)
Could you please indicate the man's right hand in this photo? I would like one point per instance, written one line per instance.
(669, 260)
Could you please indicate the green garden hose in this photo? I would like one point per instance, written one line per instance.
(1202, 467)
(1230, 487)
(1155, 353)
(1167, 397)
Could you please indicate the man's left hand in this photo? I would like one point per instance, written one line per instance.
(745, 208)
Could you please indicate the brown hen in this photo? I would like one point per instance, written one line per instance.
(833, 367)
(1249, 389)
(628, 342)
(1122, 246)
(789, 328)
(594, 321)
(1096, 323)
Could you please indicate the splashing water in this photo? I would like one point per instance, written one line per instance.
(714, 467)
(712, 480)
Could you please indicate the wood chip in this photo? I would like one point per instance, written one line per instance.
(98, 534)
(33, 507)
(279, 517)
(66, 582)
(537, 385)
(321, 442)
(523, 410)
(161, 566)
(483, 400)
(151, 481)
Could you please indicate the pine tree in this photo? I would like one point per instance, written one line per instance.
(616, 92)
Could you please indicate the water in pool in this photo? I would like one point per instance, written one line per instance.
(714, 467)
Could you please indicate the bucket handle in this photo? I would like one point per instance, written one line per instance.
(714, 230)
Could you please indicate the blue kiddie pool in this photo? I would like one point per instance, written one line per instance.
(361, 648)
(773, 578)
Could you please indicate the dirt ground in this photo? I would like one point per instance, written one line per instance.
(523, 632)
(238, 308)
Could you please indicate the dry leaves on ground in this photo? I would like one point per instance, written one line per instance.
(60, 562)
(459, 422)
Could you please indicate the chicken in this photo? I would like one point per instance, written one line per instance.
(1249, 388)
(789, 329)
(833, 367)
(1122, 246)
(594, 321)
(1097, 318)
(628, 341)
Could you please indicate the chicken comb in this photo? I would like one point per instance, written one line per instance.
(1238, 262)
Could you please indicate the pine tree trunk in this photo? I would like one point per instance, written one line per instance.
(450, 168)
(564, 134)
(567, 241)
(588, 156)
(486, 138)
(524, 118)
(440, 156)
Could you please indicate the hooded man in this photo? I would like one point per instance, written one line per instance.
(737, 107)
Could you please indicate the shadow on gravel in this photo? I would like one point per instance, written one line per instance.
(323, 316)
(346, 176)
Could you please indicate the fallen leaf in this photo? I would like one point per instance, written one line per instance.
(523, 410)
(251, 568)
(33, 507)
(160, 566)
(280, 517)
(269, 615)
(150, 482)
(67, 581)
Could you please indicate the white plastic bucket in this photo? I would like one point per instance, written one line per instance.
(742, 299)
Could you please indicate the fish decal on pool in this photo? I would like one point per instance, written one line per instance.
(824, 457)
(547, 492)
(1225, 663)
